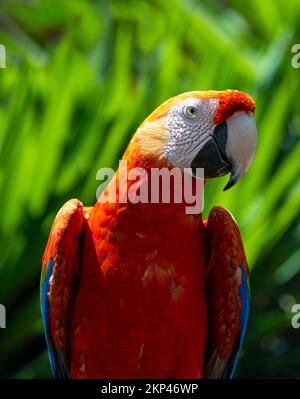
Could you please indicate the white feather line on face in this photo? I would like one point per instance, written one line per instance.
(187, 137)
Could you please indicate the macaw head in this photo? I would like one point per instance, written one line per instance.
(213, 130)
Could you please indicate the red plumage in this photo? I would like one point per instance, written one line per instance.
(144, 290)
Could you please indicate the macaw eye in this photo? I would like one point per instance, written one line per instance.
(190, 111)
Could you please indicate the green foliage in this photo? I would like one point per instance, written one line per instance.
(80, 78)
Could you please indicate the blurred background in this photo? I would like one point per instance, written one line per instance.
(80, 77)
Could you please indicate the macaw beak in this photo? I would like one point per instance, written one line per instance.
(230, 149)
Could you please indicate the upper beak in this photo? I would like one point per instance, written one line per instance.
(231, 148)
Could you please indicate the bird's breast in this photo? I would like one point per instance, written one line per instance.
(146, 289)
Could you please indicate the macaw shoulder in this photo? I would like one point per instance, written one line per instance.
(225, 238)
(60, 271)
(228, 294)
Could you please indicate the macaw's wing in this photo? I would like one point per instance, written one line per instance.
(59, 284)
(228, 296)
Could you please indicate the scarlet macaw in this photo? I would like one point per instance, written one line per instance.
(146, 290)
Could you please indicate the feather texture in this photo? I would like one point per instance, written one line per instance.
(228, 295)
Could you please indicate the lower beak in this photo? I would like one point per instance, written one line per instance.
(231, 148)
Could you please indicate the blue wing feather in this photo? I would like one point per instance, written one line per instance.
(244, 315)
(56, 363)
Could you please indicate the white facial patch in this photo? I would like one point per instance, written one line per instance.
(187, 135)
